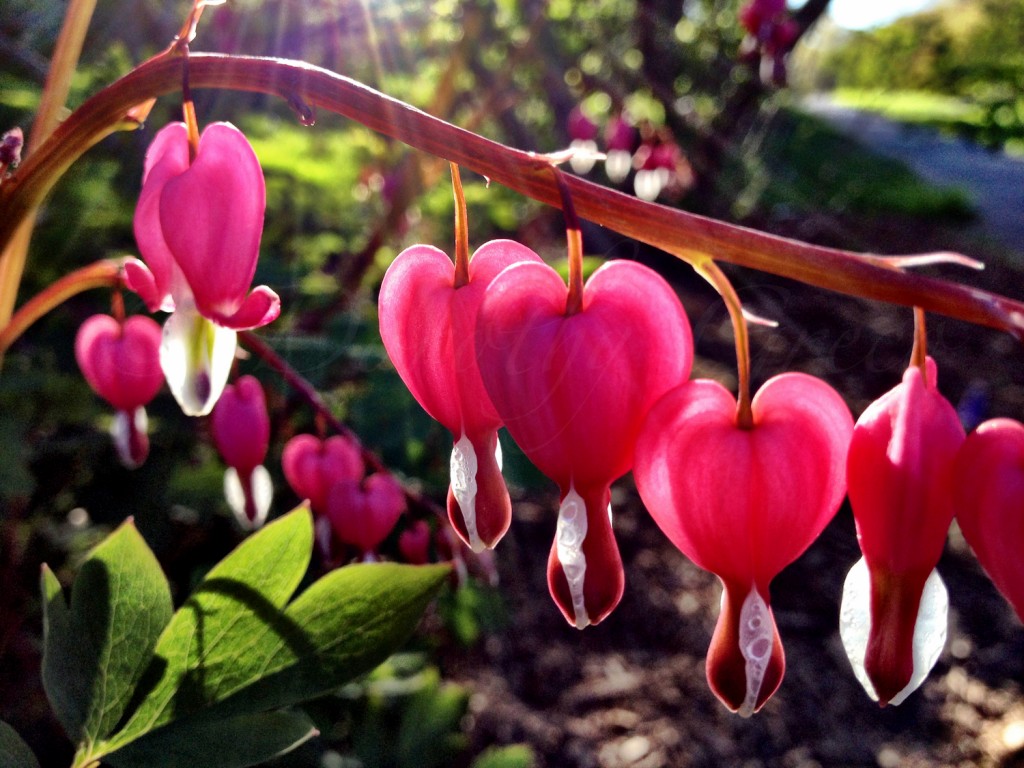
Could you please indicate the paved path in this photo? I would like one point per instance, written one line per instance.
(994, 181)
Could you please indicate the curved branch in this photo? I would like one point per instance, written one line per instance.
(669, 229)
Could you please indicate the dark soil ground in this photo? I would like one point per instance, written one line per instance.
(632, 691)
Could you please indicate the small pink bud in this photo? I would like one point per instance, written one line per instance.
(743, 504)
(573, 391)
(619, 134)
(363, 515)
(240, 427)
(988, 494)
(900, 474)
(311, 466)
(581, 127)
(427, 325)
(414, 543)
(11, 144)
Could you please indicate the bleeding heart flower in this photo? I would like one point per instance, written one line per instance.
(900, 471)
(198, 226)
(573, 390)
(414, 543)
(240, 427)
(988, 495)
(427, 325)
(363, 515)
(121, 362)
(312, 466)
(744, 503)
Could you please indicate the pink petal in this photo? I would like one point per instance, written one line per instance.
(312, 466)
(987, 492)
(240, 425)
(573, 391)
(166, 158)
(260, 307)
(211, 216)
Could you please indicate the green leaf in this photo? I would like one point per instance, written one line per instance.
(96, 650)
(345, 624)
(232, 742)
(203, 655)
(430, 734)
(14, 753)
(513, 756)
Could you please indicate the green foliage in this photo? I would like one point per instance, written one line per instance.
(811, 166)
(212, 684)
(409, 700)
(969, 49)
(514, 756)
(97, 649)
(229, 742)
(15, 753)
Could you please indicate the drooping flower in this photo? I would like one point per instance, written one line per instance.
(582, 136)
(900, 470)
(312, 466)
(414, 542)
(198, 226)
(620, 139)
(240, 427)
(573, 390)
(363, 514)
(121, 362)
(988, 495)
(744, 503)
(427, 325)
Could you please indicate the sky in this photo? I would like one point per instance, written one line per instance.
(860, 14)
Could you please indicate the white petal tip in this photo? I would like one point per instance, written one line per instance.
(930, 628)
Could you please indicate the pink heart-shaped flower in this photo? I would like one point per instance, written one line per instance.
(573, 391)
(121, 361)
(312, 466)
(743, 504)
(427, 326)
(198, 225)
(988, 490)
(362, 515)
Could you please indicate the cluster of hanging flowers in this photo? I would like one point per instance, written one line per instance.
(592, 380)
(354, 511)
(651, 155)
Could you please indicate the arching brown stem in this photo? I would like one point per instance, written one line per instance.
(672, 230)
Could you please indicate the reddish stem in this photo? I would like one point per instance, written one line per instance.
(461, 230)
(919, 353)
(574, 238)
(101, 274)
(670, 229)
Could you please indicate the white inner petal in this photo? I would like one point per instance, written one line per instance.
(756, 639)
(570, 532)
(123, 428)
(262, 495)
(463, 467)
(929, 629)
(617, 165)
(584, 155)
(196, 356)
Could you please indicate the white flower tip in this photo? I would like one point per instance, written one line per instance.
(929, 630)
